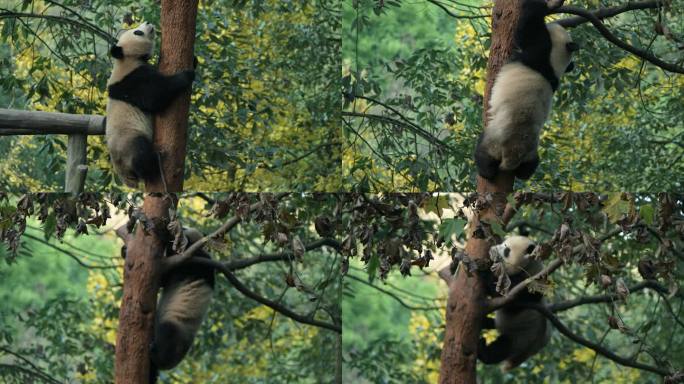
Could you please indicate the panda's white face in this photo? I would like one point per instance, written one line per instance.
(515, 253)
(562, 48)
(138, 42)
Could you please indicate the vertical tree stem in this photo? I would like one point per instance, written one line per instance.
(142, 267)
(466, 293)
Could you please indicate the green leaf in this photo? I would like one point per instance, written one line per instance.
(647, 213)
(451, 229)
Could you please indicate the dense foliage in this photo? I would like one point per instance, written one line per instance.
(607, 243)
(414, 78)
(69, 330)
(264, 112)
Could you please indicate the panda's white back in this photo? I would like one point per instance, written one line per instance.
(125, 121)
(518, 107)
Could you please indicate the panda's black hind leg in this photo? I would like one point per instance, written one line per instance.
(487, 166)
(526, 170)
(495, 352)
(145, 161)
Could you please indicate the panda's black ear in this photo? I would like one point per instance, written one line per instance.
(530, 249)
(570, 67)
(117, 52)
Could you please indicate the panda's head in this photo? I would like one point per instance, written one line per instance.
(562, 48)
(137, 43)
(515, 253)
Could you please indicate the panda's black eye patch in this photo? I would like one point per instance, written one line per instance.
(507, 251)
(139, 33)
(530, 248)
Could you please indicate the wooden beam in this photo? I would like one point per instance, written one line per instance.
(18, 122)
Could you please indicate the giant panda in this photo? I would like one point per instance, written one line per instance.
(522, 331)
(185, 297)
(521, 97)
(136, 92)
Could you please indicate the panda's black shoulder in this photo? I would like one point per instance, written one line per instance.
(533, 40)
(131, 83)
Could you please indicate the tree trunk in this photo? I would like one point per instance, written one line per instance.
(136, 317)
(145, 249)
(466, 299)
(171, 126)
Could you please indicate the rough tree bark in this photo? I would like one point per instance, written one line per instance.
(178, 18)
(145, 249)
(466, 299)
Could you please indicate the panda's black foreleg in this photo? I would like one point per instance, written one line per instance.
(526, 170)
(161, 90)
(487, 166)
(495, 352)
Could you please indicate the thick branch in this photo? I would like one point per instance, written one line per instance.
(565, 305)
(604, 13)
(178, 259)
(613, 39)
(591, 345)
(279, 256)
(304, 319)
(498, 302)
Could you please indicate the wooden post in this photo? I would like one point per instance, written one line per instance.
(76, 168)
(466, 299)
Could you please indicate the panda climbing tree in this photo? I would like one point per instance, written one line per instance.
(144, 274)
(527, 60)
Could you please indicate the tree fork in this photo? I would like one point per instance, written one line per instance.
(146, 248)
(466, 300)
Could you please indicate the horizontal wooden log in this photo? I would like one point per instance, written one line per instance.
(18, 122)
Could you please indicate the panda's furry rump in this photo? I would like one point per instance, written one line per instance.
(182, 308)
(518, 107)
(532, 332)
(145, 160)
